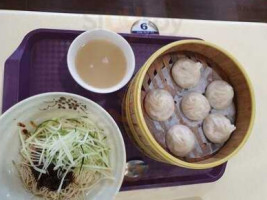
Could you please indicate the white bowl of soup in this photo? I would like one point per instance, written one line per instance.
(101, 61)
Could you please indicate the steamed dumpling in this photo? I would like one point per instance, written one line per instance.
(217, 128)
(180, 140)
(159, 104)
(186, 72)
(220, 94)
(195, 106)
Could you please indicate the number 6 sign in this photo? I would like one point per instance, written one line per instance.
(144, 26)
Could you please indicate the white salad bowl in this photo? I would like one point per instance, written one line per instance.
(46, 106)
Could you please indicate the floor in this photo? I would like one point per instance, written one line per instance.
(230, 10)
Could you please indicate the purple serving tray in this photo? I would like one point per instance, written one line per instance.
(39, 65)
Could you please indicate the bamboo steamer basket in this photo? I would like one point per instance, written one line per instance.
(220, 61)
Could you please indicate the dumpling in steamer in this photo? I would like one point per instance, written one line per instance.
(180, 140)
(159, 104)
(220, 94)
(186, 72)
(217, 128)
(195, 106)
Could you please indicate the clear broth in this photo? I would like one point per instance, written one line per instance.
(101, 63)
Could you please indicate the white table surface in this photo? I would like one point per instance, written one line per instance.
(246, 174)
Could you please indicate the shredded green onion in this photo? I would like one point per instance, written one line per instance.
(74, 144)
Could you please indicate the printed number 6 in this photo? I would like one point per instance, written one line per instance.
(143, 26)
